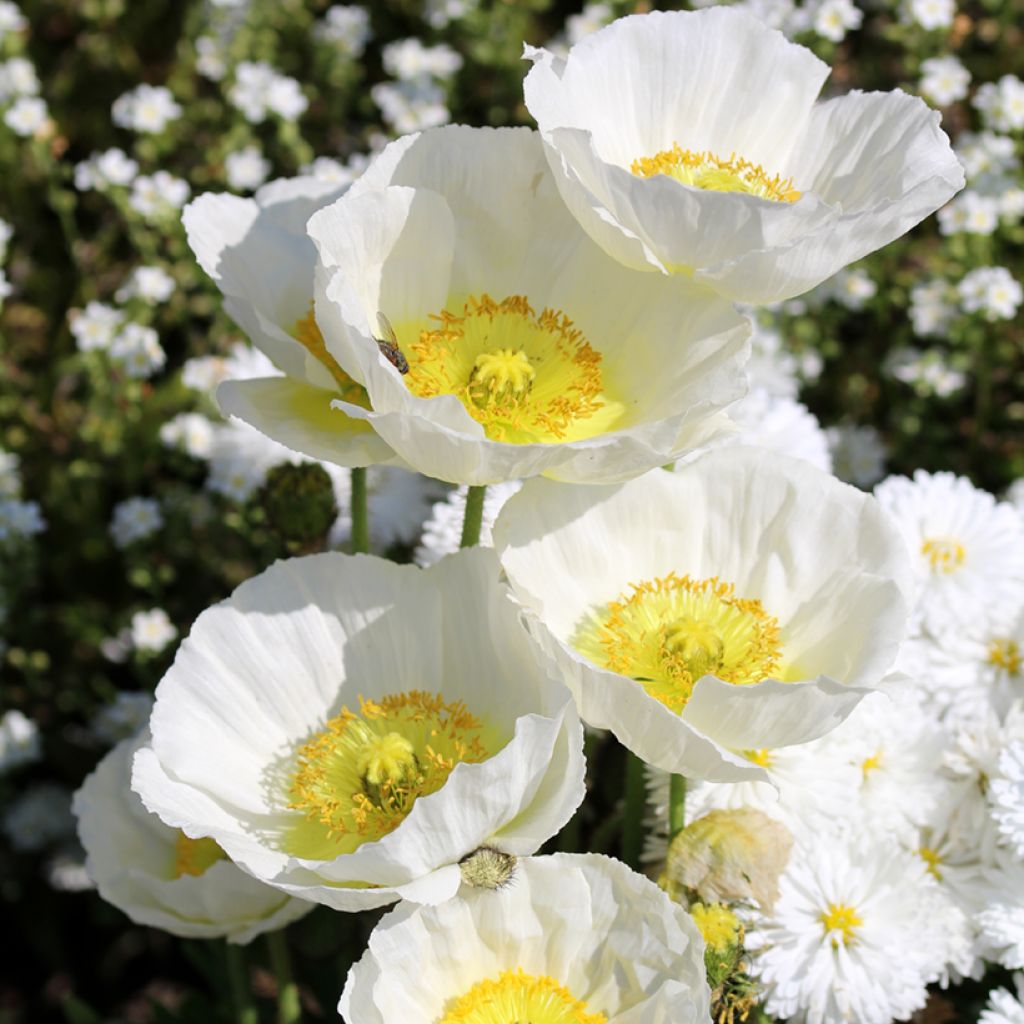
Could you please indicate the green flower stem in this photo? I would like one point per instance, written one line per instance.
(238, 979)
(676, 805)
(360, 516)
(633, 815)
(289, 1007)
(474, 517)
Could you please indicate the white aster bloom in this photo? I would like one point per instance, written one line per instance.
(442, 532)
(933, 307)
(257, 252)
(95, 326)
(19, 740)
(852, 288)
(929, 14)
(1001, 923)
(1003, 1007)
(190, 431)
(158, 195)
(210, 58)
(206, 373)
(857, 934)
(441, 13)
(101, 170)
(259, 90)
(928, 373)
(412, 105)
(1002, 103)
(1006, 795)
(528, 350)
(26, 116)
(159, 876)
(11, 19)
(152, 630)
(246, 169)
(38, 817)
(992, 291)
(970, 213)
(858, 454)
(20, 519)
(17, 78)
(834, 18)
(409, 59)
(134, 519)
(347, 28)
(151, 284)
(986, 153)
(122, 719)
(573, 938)
(729, 610)
(381, 723)
(967, 549)
(944, 80)
(146, 108)
(731, 172)
(136, 349)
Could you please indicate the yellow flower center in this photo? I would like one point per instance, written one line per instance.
(358, 778)
(870, 764)
(307, 333)
(526, 378)
(763, 758)
(515, 997)
(708, 171)
(670, 631)
(943, 555)
(195, 856)
(841, 922)
(718, 925)
(932, 859)
(1006, 654)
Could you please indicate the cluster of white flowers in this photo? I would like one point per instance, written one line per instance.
(927, 371)
(992, 291)
(24, 111)
(146, 108)
(135, 519)
(259, 90)
(150, 284)
(152, 630)
(1002, 103)
(101, 170)
(246, 169)
(158, 195)
(346, 28)
(944, 80)
(137, 352)
(19, 519)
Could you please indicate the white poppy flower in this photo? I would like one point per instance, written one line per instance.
(159, 876)
(574, 938)
(348, 729)
(742, 603)
(528, 350)
(257, 252)
(690, 142)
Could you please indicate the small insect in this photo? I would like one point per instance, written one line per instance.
(388, 344)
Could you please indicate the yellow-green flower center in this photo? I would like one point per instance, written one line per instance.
(1006, 654)
(515, 997)
(307, 333)
(195, 856)
(526, 378)
(708, 171)
(933, 860)
(719, 926)
(764, 758)
(357, 779)
(841, 922)
(943, 554)
(670, 631)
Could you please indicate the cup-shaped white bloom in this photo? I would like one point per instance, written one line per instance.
(159, 876)
(519, 347)
(574, 938)
(257, 252)
(691, 143)
(742, 603)
(348, 729)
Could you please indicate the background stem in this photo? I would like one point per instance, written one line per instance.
(289, 1007)
(360, 515)
(474, 517)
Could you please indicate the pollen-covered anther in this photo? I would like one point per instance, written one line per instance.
(1007, 655)
(515, 997)
(841, 922)
(503, 375)
(943, 554)
(697, 643)
(706, 170)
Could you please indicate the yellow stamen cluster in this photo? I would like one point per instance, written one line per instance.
(307, 333)
(943, 555)
(708, 171)
(515, 997)
(524, 377)
(195, 856)
(933, 860)
(871, 763)
(719, 926)
(841, 922)
(670, 631)
(762, 757)
(359, 777)
(1006, 654)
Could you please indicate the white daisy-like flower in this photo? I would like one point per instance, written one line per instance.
(1003, 1007)
(574, 939)
(442, 532)
(731, 172)
(257, 252)
(411, 106)
(967, 549)
(1006, 796)
(20, 519)
(20, 742)
(857, 934)
(95, 326)
(944, 80)
(711, 611)
(26, 116)
(381, 723)
(137, 351)
(347, 28)
(992, 291)
(409, 59)
(933, 307)
(146, 108)
(205, 373)
(151, 284)
(134, 519)
(190, 431)
(152, 630)
(159, 876)
(528, 350)
(158, 195)
(246, 169)
(1001, 923)
(929, 14)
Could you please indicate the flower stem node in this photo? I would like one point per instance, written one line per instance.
(488, 868)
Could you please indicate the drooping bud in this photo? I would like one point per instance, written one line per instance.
(299, 502)
(487, 868)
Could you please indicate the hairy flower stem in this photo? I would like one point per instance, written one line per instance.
(238, 980)
(635, 805)
(360, 515)
(474, 517)
(289, 1007)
